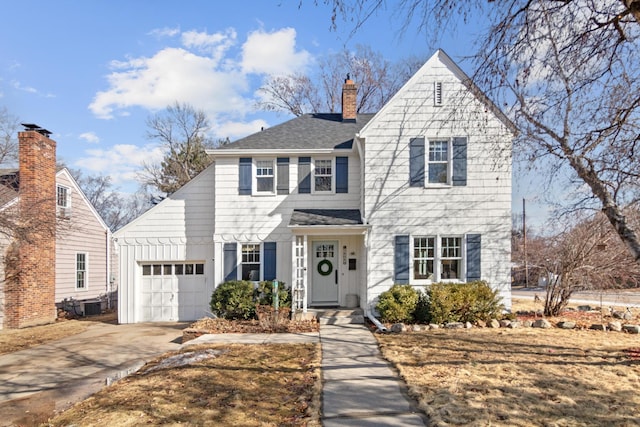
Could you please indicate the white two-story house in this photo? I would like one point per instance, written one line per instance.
(339, 207)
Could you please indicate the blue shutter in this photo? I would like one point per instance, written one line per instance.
(401, 263)
(282, 185)
(342, 174)
(269, 267)
(304, 175)
(230, 261)
(416, 162)
(473, 257)
(245, 176)
(459, 161)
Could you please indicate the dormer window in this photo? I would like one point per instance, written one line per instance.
(437, 94)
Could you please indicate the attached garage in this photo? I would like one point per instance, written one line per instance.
(172, 291)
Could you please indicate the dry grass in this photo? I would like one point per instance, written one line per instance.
(20, 339)
(242, 385)
(520, 377)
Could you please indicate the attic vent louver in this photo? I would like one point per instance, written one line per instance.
(36, 128)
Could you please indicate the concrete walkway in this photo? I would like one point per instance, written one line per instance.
(359, 387)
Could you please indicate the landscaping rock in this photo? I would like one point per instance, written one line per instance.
(434, 326)
(627, 315)
(566, 325)
(481, 324)
(468, 325)
(542, 323)
(494, 323)
(632, 329)
(615, 326)
(513, 325)
(598, 327)
(584, 308)
(527, 323)
(416, 328)
(398, 327)
(504, 323)
(454, 325)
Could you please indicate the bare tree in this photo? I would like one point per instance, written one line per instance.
(182, 131)
(377, 80)
(587, 256)
(9, 125)
(569, 72)
(115, 208)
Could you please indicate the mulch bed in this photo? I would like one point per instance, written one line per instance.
(224, 326)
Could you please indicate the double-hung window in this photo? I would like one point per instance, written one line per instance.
(264, 176)
(62, 199)
(451, 258)
(323, 175)
(423, 258)
(438, 162)
(81, 270)
(251, 262)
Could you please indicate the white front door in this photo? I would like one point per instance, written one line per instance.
(324, 280)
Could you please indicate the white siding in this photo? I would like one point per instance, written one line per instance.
(258, 218)
(180, 228)
(391, 207)
(82, 232)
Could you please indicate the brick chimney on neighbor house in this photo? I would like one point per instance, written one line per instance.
(349, 100)
(30, 260)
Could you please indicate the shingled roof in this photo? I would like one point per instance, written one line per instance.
(309, 131)
(310, 217)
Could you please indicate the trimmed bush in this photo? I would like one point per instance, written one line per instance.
(234, 300)
(398, 304)
(264, 294)
(462, 302)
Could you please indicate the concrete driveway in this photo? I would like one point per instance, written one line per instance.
(36, 382)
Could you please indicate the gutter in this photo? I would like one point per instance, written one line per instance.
(370, 316)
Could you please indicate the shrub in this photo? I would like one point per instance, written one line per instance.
(264, 294)
(462, 302)
(398, 304)
(234, 300)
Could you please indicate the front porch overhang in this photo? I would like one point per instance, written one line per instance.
(327, 221)
(323, 230)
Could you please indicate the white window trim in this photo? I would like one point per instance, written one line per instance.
(240, 263)
(438, 259)
(254, 176)
(449, 182)
(86, 271)
(333, 175)
(67, 204)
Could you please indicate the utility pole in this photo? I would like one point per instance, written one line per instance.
(524, 245)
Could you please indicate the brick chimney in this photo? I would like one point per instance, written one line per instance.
(349, 100)
(30, 259)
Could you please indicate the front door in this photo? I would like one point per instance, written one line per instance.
(324, 280)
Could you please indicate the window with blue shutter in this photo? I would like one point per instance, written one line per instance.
(401, 259)
(282, 175)
(269, 267)
(473, 257)
(244, 178)
(416, 162)
(342, 174)
(230, 261)
(304, 175)
(459, 161)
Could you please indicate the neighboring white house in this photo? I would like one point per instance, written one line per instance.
(338, 206)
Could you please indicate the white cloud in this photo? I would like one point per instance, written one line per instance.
(171, 75)
(122, 162)
(235, 130)
(273, 53)
(164, 32)
(90, 137)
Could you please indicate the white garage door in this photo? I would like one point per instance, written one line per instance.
(173, 292)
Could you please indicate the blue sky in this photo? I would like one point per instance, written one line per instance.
(92, 72)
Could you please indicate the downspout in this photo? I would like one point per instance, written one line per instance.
(376, 322)
(108, 269)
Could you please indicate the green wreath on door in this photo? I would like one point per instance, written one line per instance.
(321, 266)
